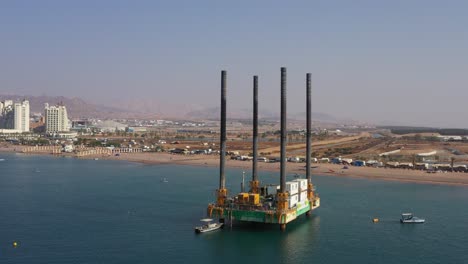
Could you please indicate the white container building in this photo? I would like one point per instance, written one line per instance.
(302, 184)
(293, 200)
(302, 196)
(292, 187)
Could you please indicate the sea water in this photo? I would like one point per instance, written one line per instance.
(67, 210)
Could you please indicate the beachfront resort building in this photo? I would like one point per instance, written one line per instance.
(14, 116)
(56, 118)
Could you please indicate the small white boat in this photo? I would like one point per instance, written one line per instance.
(408, 218)
(207, 226)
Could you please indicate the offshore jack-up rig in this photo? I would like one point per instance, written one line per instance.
(266, 204)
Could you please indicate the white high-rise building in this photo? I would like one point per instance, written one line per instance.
(56, 119)
(7, 114)
(15, 116)
(22, 116)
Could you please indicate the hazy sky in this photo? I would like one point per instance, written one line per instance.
(399, 61)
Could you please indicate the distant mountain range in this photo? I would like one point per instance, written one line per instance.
(212, 113)
(78, 108)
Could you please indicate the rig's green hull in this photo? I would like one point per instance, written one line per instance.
(267, 217)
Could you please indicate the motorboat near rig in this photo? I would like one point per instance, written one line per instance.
(268, 204)
(408, 218)
(208, 226)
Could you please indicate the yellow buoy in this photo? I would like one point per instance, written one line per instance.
(15, 244)
(375, 220)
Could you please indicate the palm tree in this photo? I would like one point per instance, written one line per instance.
(452, 160)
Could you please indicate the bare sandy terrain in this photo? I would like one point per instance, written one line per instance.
(292, 147)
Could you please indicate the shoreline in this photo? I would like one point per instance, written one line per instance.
(322, 169)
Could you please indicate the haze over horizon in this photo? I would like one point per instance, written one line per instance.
(401, 62)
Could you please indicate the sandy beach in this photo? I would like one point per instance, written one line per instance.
(403, 175)
(299, 168)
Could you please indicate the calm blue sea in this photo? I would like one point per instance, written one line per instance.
(65, 210)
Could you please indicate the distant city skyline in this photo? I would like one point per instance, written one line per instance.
(398, 62)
